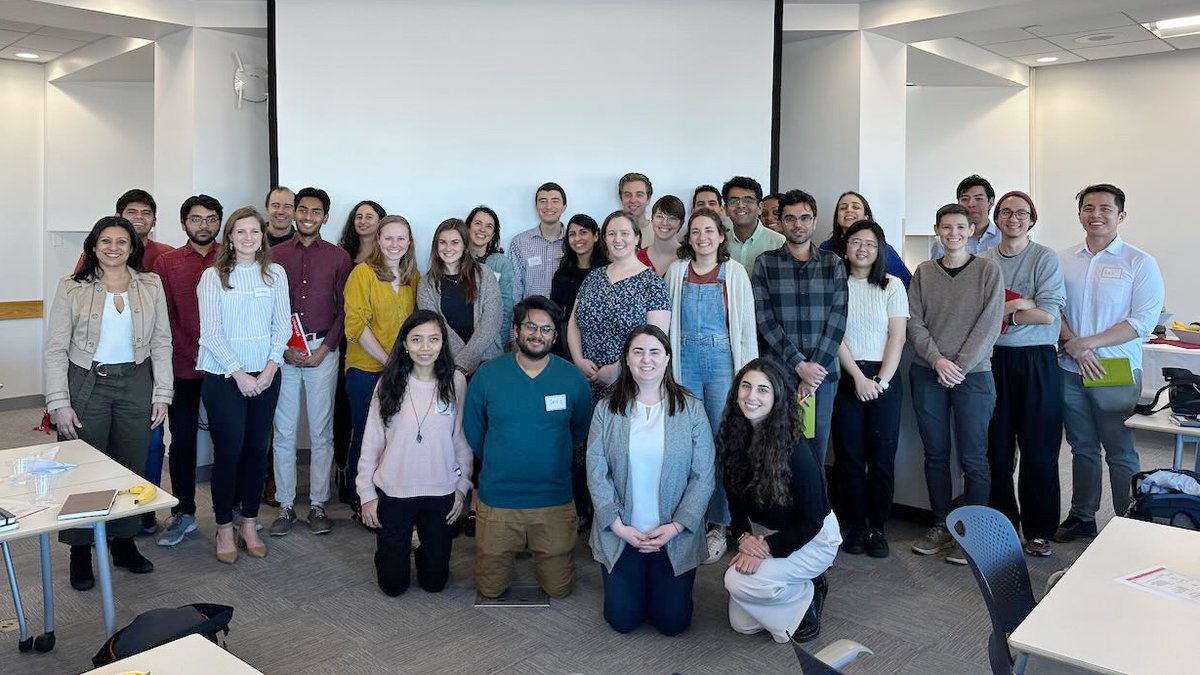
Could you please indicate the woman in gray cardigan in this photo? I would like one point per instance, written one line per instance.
(467, 299)
(650, 473)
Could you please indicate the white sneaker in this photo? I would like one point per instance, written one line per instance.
(416, 541)
(715, 539)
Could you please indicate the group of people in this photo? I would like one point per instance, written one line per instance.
(669, 383)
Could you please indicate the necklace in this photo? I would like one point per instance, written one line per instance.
(421, 421)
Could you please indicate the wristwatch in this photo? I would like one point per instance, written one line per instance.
(882, 384)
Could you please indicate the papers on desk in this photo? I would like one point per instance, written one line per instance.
(1167, 583)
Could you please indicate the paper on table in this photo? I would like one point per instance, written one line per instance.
(21, 509)
(1167, 583)
(41, 465)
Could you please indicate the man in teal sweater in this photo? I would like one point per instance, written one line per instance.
(525, 412)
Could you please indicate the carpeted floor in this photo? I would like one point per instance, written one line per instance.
(312, 607)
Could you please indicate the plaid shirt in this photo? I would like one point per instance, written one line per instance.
(801, 306)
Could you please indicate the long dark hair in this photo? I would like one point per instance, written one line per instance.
(493, 246)
(756, 461)
(90, 269)
(570, 261)
(625, 390)
(393, 381)
(350, 241)
(878, 273)
(837, 240)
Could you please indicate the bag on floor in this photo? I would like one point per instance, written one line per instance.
(1166, 496)
(160, 626)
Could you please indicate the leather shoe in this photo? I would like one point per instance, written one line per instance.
(82, 578)
(810, 627)
(125, 554)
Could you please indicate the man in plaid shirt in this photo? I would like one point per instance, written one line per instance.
(800, 301)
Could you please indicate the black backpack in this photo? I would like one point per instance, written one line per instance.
(160, 626)
(1172, 507)
(1183, 393)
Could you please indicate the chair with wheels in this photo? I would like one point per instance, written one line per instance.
(994, 553)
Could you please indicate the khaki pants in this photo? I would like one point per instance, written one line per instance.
(548, 532)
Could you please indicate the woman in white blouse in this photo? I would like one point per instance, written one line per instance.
(244, 327)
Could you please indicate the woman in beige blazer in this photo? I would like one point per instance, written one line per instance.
(108, 371)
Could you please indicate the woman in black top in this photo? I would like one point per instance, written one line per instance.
(582, 251)
(787, 535)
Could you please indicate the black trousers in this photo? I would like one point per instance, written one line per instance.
(241, 433)
(184, 416)
(1028, 414)
(865, 436)
(393, 542)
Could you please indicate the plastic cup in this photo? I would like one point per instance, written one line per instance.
(42, 483)
(20, 470)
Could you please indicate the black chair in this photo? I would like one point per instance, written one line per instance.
(995, 556)
(811, 665)
(827, 660)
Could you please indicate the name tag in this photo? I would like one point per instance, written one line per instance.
(1110, 272)
(534, 261)
(261, 292)
(556, 402)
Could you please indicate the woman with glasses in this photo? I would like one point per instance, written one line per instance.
(866, 411)
(665, 222)
(713, 333)
(1028, 386)
(483, 225)
(851, 207)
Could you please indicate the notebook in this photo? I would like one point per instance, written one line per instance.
(8, 520)
(87, 504)
(808, 415)
(1116, 373)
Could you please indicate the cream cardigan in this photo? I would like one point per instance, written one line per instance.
(743, 338)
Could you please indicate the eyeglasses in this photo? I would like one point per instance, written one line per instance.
(665, 219)
(863, 243)
(196, 220)
(531, 327)
(749, 200)
(806, 219)
(1021, 214)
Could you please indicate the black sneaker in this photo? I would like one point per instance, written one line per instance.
(1072, 528)
(852, 542)
(877, 544)
(82, 578)
(810, 627)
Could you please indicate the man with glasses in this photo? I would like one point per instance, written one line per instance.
(316, 273)
(800, 298)
(977, 196)
(635, 190)
(524, 413)
(748, 238)
(180, 271)
(1114, 295)
(280, 205)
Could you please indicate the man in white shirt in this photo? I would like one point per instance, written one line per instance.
(1114, 292)
(635, 190)
(536, 252)
(977, 196)
(747, 236)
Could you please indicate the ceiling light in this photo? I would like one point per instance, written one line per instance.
(1047, 59)
(27, 55)
(1095, 37)
(1172, 28)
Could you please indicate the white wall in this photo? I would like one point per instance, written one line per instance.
(952, 133)
(22, 109)
(1131, 122)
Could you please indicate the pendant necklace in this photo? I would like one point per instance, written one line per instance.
(423, 417)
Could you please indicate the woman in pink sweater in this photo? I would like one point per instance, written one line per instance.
(415, 467)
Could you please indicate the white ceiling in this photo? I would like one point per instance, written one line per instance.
(47, 42)
(1087, 38)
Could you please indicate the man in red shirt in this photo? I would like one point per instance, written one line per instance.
(180, 271)
(139, 208)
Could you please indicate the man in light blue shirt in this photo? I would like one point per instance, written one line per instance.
(1114, 293)
(977, 196)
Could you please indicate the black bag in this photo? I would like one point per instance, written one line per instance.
(1175, 508)
(1183, 393)
(160, 626)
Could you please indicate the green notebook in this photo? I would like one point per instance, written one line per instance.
(808, 415)
(1116, 373)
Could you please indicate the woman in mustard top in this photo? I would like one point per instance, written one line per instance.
(380, 294)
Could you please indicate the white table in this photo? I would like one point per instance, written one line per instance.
(1161, 422)
(1091, 621)
(1158, 356)
(93, 471)
(191, 655)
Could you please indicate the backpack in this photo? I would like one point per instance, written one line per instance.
(160, 626)
(1162, 496)
(1183, 393)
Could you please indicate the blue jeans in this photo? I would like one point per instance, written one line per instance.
(360, 385)
(1095, 417)
(154, 455)
(706, 370)
(970, 405)
(819, 443)
(643, 587)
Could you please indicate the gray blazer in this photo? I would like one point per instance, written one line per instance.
(488, 310)
(684, 488)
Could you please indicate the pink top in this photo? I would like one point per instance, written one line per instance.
(393, 459)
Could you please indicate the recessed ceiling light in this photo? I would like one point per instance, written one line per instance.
(27, 55)
(1171, 28)
(1095, 37)
(1047, 59)
(910, 84)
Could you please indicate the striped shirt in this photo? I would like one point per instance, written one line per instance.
(244, 327)
(534, 261)
(801, 306)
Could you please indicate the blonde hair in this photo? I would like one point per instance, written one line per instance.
(408, 261)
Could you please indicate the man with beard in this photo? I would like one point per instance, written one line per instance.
(280, 205)
(180, 271)
(525, 411)
(748, 238)
(316, 274)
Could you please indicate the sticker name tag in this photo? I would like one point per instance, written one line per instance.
(1110, 272)
(534, 261)
(556, 402)
(262, 292)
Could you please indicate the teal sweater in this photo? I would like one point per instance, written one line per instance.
(526, 449)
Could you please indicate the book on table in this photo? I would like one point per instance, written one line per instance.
(8, 520)
(87, 504)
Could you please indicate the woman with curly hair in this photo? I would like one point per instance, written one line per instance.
(787, 535)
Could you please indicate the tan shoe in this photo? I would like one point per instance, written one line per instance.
(226, 544)
(248, 539)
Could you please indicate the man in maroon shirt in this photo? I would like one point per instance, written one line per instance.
(180, 271)
(316, 272)
(139, 208)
